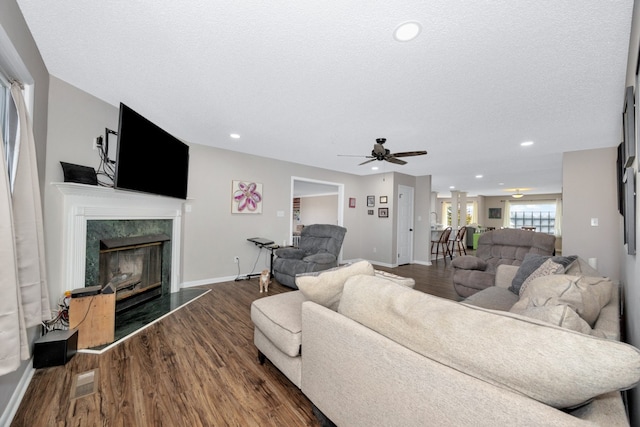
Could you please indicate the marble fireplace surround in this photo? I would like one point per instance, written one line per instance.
(82, 203)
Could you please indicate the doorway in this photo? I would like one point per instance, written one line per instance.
(302, 188)
(405, 224)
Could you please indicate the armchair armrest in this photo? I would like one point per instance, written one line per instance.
(320, 258)
(469, 262)
(290, 253)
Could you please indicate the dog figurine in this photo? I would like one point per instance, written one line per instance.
(265, 279)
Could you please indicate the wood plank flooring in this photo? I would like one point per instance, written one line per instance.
(196, 367)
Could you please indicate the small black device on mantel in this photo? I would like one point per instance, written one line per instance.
(148, 158)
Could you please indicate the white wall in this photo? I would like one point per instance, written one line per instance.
(319, 210)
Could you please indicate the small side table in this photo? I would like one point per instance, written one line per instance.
(95, 318)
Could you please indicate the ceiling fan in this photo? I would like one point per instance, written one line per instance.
(380, 153)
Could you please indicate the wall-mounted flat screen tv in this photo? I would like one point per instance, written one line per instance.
(149, 159)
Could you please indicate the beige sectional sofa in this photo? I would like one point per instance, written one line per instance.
(391, 355)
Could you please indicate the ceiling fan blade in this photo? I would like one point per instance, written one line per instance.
(392, 159)
(353, 155)
(368, 161)
(409, 153)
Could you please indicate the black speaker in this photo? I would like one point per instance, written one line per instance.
(55, 348)
(78, 173)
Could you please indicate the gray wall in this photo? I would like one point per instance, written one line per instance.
(589, 184)
(212, 235)
(630, 269)
(13, 25)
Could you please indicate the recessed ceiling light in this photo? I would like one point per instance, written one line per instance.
(451, 187)
(407, 31)
(526, 143)
(235, 136)
(478, 176)
(374, 168)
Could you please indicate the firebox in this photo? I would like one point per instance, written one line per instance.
(132, 266)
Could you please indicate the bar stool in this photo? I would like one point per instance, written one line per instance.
(442, 243)
(459, 242)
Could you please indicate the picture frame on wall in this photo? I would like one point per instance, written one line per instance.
(383, 212)
(630, 210)
(383, 199)
(495, 213)
(371, 201)
(629, 127)
(246, 197)
(370, 212)
(352, 202)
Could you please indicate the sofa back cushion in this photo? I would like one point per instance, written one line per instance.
(510, 245)
(556, 366)
(318, 238)
(584, 295)
(325, 287)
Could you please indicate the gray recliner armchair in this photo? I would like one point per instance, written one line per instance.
(472, 274)
(318, 250)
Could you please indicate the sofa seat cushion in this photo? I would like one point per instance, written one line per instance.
(494, 298)
(556, 366)
(279, 318)
(325, 287)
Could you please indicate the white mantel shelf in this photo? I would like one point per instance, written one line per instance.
(82, 203)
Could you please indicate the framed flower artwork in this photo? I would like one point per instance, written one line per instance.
(246, 197)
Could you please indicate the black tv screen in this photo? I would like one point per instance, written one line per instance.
(149, 159)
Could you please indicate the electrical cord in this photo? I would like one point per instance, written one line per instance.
(106, 170)
(61, 319)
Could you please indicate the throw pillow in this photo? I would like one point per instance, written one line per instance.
(535, 265)
(559, 315)
(585, 295)
(582, 268)
(325, 287)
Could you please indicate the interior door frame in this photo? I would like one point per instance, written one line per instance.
(340, 188)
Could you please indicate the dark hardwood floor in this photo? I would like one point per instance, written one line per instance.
(196, 367)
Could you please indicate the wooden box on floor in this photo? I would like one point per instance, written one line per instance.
(94, 316)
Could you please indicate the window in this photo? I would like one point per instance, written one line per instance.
(541, 215)
(9, 128)
(470, 216)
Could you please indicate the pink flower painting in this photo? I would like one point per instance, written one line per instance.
(247, 197)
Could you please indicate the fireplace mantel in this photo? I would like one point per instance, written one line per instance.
(82, 203)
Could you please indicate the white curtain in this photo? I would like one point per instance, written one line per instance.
(25, 299)
(558, 223)
(506, 218)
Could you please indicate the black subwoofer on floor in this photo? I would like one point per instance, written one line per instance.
(55, 348)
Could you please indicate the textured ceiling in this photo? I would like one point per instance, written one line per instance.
(304, 81)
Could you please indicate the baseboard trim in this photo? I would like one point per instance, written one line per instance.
(18, 394)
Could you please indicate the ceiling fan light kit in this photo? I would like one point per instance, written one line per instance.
(517, 195)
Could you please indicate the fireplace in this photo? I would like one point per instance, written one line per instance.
(132, 267)
(107, 213)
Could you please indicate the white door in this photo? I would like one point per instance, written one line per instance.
(405, 224)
